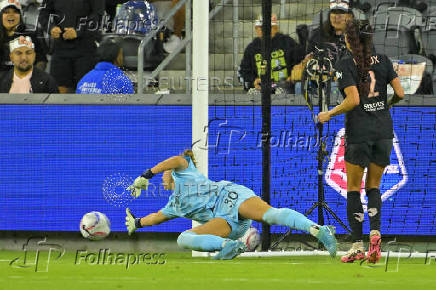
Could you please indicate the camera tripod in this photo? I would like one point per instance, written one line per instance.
(321, 70)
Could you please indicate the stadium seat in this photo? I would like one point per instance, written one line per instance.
(398, 16)
(394, 30)
(130, 44)
(394, 42)
(430, 12)
(376, 5)
(429, 42)
(430, 3)
(428, 34)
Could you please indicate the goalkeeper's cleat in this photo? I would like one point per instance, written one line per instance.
(230, 250)
(357, 252)
(130, 222)
(326, 236)
(374, 252)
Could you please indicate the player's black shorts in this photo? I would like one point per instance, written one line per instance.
(67, 71)
(378, 152)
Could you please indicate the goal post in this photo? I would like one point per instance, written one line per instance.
(200, 88)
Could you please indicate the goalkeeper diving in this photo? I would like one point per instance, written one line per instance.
(224, 209)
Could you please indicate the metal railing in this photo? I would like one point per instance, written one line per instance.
(148, 38)
(185, 42)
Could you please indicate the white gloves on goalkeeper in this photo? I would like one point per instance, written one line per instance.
(139, 184)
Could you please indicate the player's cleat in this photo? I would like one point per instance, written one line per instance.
(230, 250)
(374, 252)
(326, 236)
(357, 252)
(130, 222)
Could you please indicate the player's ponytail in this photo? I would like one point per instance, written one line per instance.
(360, 40)
(188, 152)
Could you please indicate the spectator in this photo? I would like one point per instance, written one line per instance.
(75, 33)
(333, 30)
(11, 27)
(283, 56)
(24, 78)
(106, 77)
(329, 35)
(179, 24)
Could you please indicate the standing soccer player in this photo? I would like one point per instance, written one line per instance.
(224, 209)
(363, 78)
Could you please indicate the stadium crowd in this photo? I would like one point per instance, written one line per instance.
(70, 32)
(66, 35)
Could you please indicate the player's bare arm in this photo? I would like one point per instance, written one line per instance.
(398, 91)
(351, 101)
(176, 162)
(153, 219)
(133, 223)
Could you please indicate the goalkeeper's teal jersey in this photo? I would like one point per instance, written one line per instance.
(194, 196)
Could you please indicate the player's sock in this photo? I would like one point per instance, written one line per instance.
(202, 243)
(374, 208)
(290, 218)
(355, 215)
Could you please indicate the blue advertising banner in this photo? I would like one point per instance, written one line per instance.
(60, 162)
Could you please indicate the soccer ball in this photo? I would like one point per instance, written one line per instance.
(95, 226)
(251, 239)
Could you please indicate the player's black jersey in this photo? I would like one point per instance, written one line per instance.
(371, 119)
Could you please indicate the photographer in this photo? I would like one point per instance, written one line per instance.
(330, 35)
(283, 57)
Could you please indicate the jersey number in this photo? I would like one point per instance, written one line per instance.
(372, 92)
(231, 197)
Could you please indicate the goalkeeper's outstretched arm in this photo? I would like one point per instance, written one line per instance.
(153, 219)
(175, 162)
(133, 223)
(141, 182)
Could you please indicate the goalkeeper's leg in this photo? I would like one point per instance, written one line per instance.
(257, 209)
(211, 237)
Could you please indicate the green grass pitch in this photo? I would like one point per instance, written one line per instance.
(181, 271)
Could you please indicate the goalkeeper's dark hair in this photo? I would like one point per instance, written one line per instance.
(108, 50)
(188, 152)
(359, 36)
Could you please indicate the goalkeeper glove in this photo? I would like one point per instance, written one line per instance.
(140, 183)
(132, 223)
